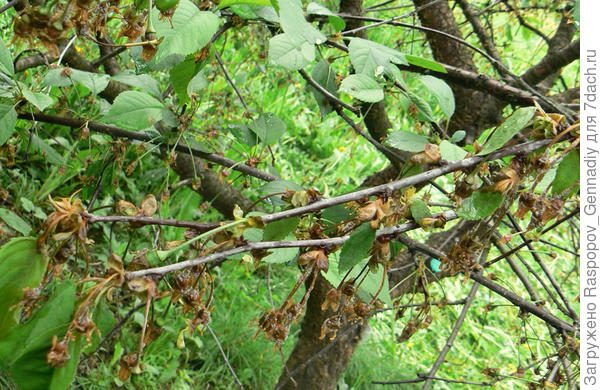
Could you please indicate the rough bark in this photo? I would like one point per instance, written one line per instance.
(314, 363)
(222, 196)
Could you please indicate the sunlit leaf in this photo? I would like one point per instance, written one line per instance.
(64, 77)
(419, 210)
(442, 93)
(289, 52)
(14, 221)
(293, 22)
(6, 61)
(228, 3)
(21, 265)
(192, 30)
(407, 140)
(317, 9)
(39, 100)
(134, 110)
(362, 87)
(425, 63)
(23, 349)
(268, 127)
(145, 82)
(451, 152)
(373, 59)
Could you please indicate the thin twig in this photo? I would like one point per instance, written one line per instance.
(551, 227)
(327, 242)
(331, 97)
(134, 135)
(200, 226)
(516, 300)
(225, 357)
(454, 333)
(536, 257)
(389, 188)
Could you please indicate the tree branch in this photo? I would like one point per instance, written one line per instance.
(265, 245)
(133, 135)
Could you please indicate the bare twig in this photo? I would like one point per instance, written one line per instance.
(389, 188)
(327, 242)
(199, 226)
(331, 97)
(214, 336)
(452, 337)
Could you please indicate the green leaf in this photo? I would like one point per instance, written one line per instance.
(228, 3)
(419, 210)
(144, 82)
(134, 110)
(6, 62)
(268, 127)
(372, 59)
(8, 119)
(425, 63)
(104, 319)
(507, 129)
(23, 350)
(336, 214)
(243, 134)
(282, 255)
(423, 107)
(62, 377)
(293, 22)
(325, 76)
(278, 230)
(197, 83)
(479, 205)
(14, 221)
(180, 77)
(451, 152)
(356, 248)
(362, 87)
(39, 100)
(458, 136)
(289, 52)
(21, 265)
(567, 172)
(368, 287)
(407, 140)
(192, 30)
(442, 93)
(276, 186)
(317, 9)
(64, 77)
(39, 145)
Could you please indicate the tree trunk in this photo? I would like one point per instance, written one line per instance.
(317, 364)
